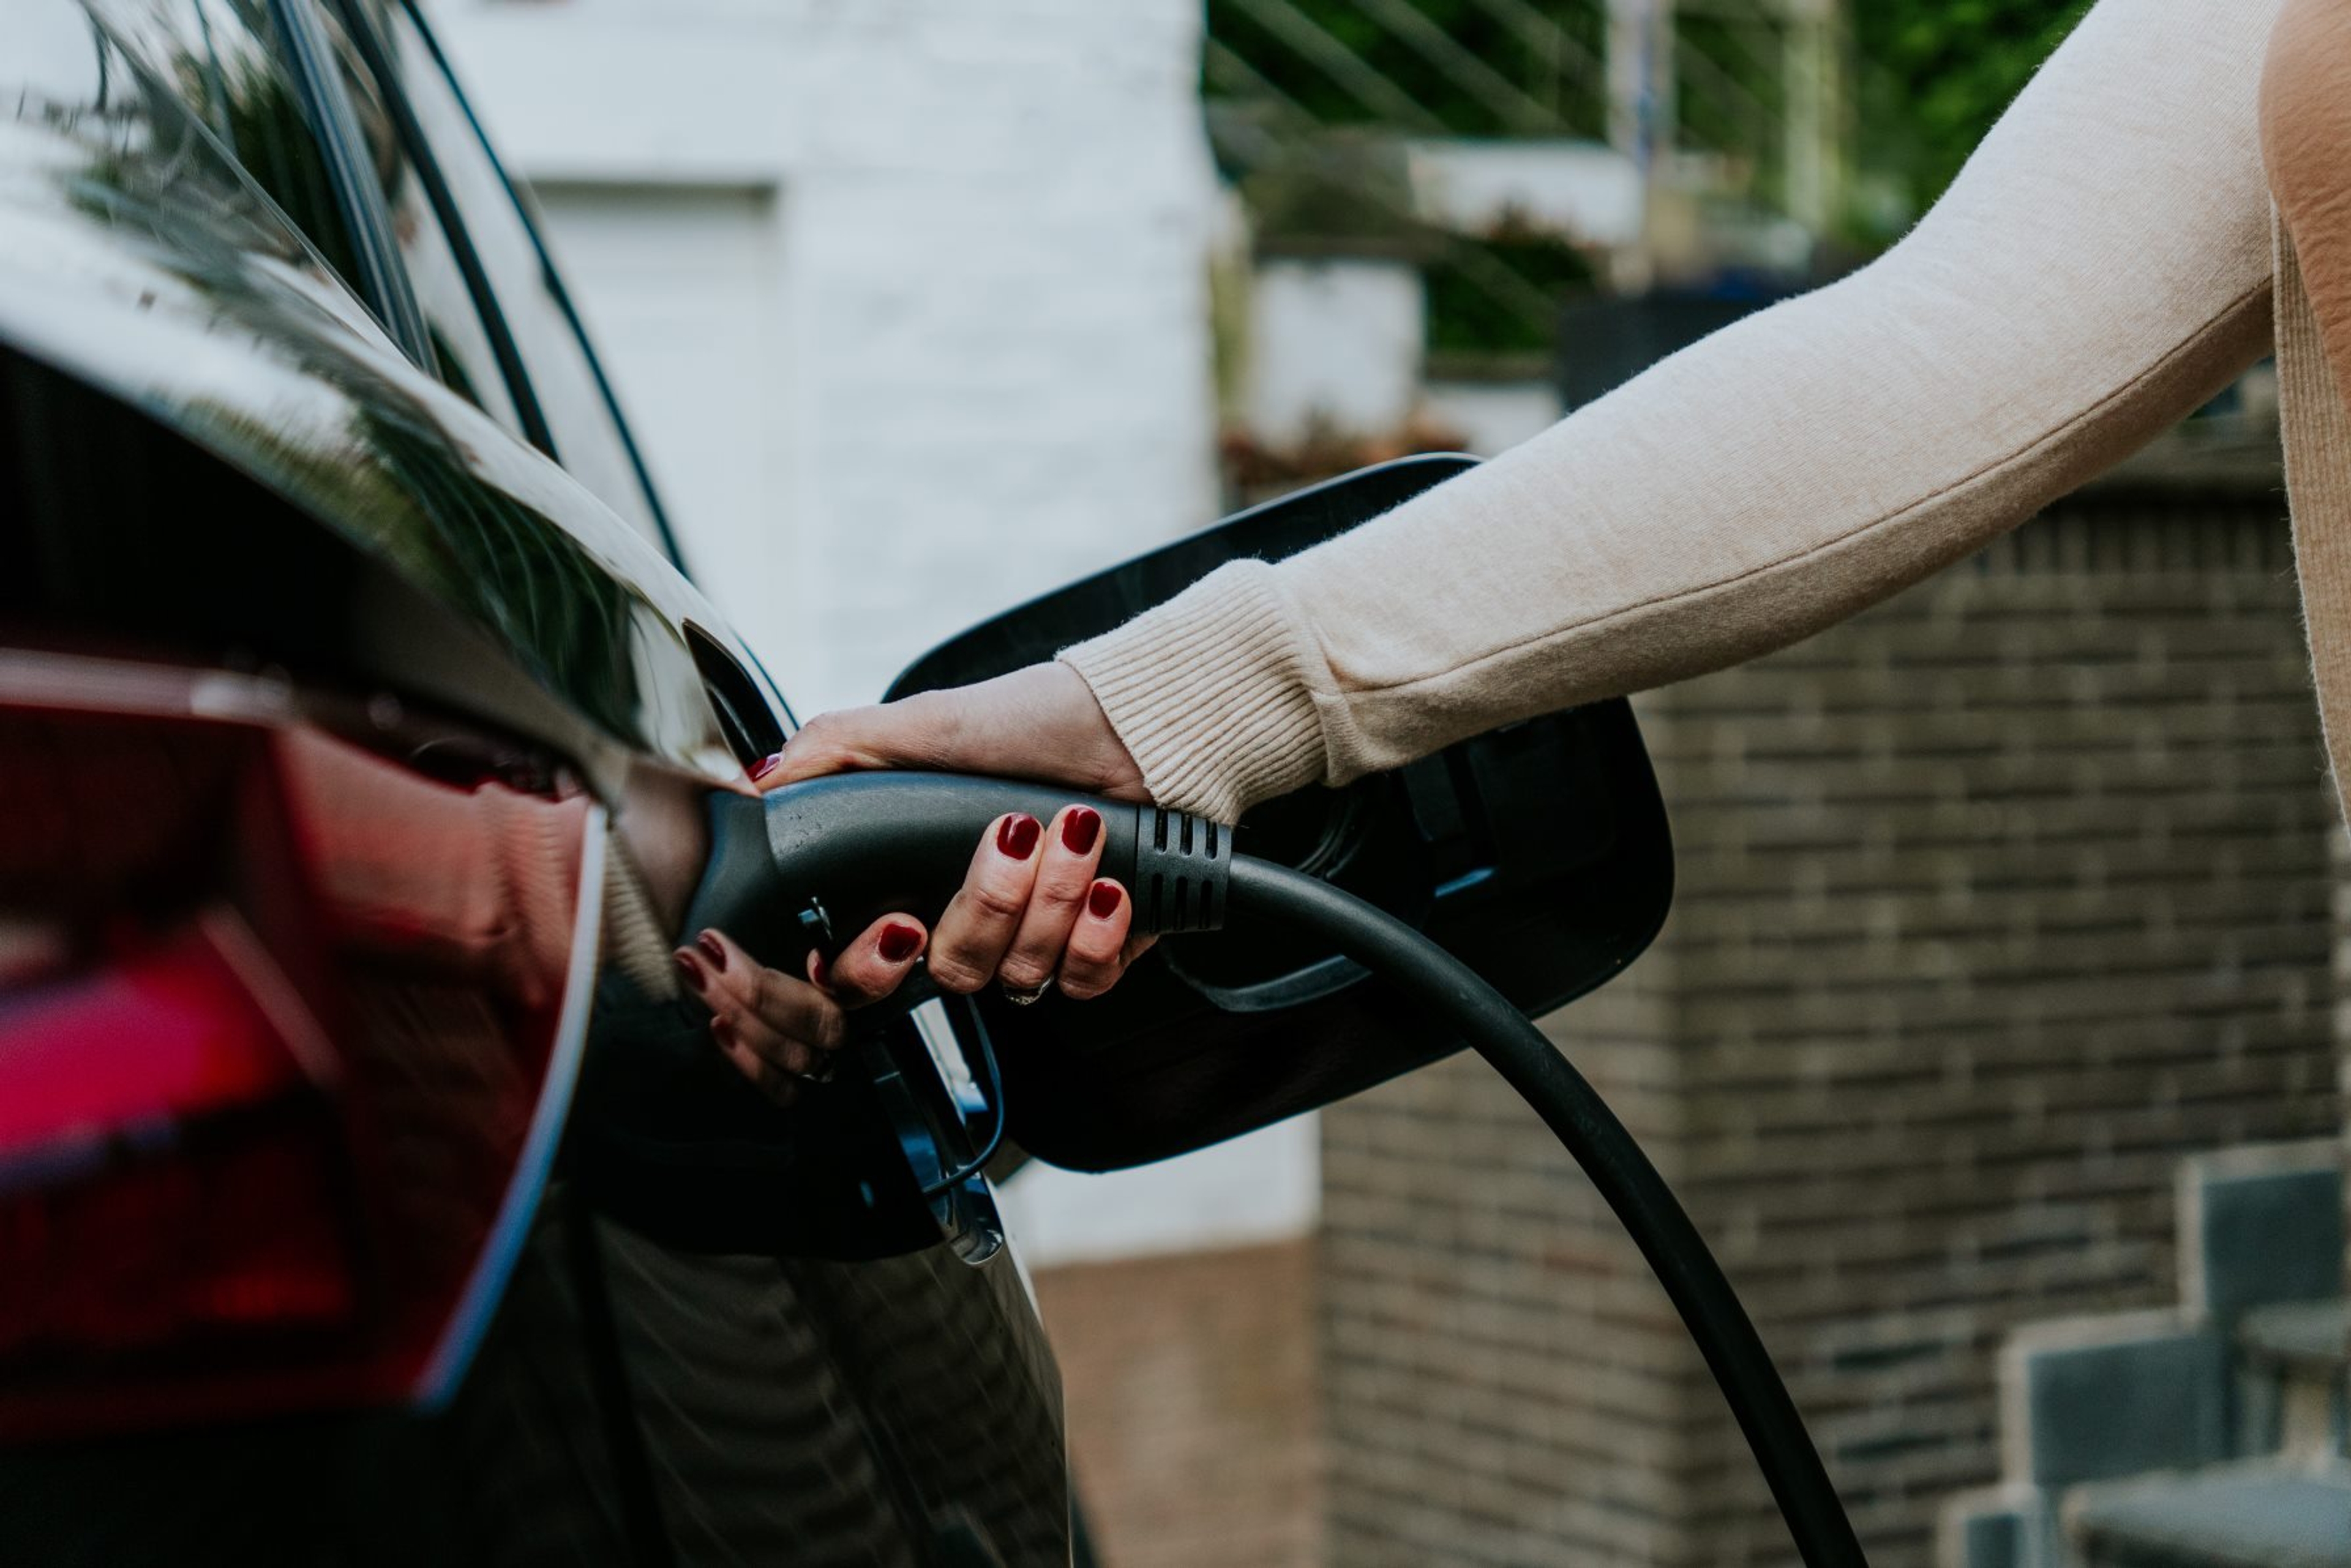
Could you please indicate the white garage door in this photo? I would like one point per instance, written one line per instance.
(681, 290)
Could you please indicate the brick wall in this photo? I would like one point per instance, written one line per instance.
(1188, 1385)
(1994, 902)
(2338, 843)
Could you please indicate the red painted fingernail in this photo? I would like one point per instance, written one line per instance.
(899, 942)
(1079, 828)
(760, 773)
(1018, 835)
(820, 971)
(1101, 902)
(691, 967)
(709, 943)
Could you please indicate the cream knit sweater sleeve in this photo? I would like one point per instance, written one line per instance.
(2101, 267)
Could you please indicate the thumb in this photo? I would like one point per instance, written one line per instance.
(1040, 723)
(860, 739)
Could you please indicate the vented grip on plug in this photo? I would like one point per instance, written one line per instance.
(1181, 865)
(812, 864)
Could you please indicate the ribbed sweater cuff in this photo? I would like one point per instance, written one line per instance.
(1209, 692)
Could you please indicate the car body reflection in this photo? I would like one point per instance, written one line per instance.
(355, 754)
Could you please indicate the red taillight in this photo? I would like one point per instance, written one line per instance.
(277, 1031)
(163, 1149)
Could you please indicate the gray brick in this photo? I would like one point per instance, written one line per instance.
(1995, 902)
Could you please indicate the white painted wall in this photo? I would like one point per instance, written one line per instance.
(1335, 344)
(974, 234)
(1267, 1187)
(683, 284)
(908, 300)
(1594, 192)
(1491, 417)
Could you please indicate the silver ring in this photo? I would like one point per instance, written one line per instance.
(1020, 998)
(824, 1073)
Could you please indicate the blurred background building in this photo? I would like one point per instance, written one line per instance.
(1998, 1038)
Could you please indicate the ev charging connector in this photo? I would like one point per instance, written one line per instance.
(810, 864)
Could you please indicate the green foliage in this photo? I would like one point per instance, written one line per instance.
(1468, 315)
(1931, 75)
(1556, 85)
(1938, 72)
(1337, 187)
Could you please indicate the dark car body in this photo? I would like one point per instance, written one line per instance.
(349, 706)
(370, 1191)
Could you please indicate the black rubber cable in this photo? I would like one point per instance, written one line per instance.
(1622, 1174)
(847, 849)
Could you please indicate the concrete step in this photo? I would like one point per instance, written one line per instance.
(2297, 1339)
(2294, 1378)
(2261, 1514)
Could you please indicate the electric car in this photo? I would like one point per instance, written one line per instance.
(368, 1192)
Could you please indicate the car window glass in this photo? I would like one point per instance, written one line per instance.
(465, 358)
(118, 116)
(222, 62)
(588, 436)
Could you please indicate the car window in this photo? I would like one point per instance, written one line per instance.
(584, 429)
(465, 354)
(223, 63)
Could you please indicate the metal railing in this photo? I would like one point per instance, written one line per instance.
(1755, 87)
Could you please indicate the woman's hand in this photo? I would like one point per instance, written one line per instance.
(1030, 909)
(1040, 723)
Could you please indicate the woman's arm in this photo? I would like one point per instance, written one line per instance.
(2100, 268)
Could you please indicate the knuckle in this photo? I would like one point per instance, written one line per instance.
(1055, 896)
(954, 972)
(1023, 971)
(1084, 982)
(995, 902)
(1093, 949)
(772, 998)
(857, 990)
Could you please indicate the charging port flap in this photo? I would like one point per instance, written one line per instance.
(1538, 855)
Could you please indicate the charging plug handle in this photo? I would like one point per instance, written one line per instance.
(812, 864)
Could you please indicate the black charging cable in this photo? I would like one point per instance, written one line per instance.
(838, 852)
(991, 1081)
(1575, 1112)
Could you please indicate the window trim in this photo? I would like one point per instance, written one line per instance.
(377, 58)
(552, 278)
(335, 123)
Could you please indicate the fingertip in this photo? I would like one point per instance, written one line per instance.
(900, 941)
(873, 966)
(1079, 829)
(1016, 835)
(1094, 960)
(1109, 911)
